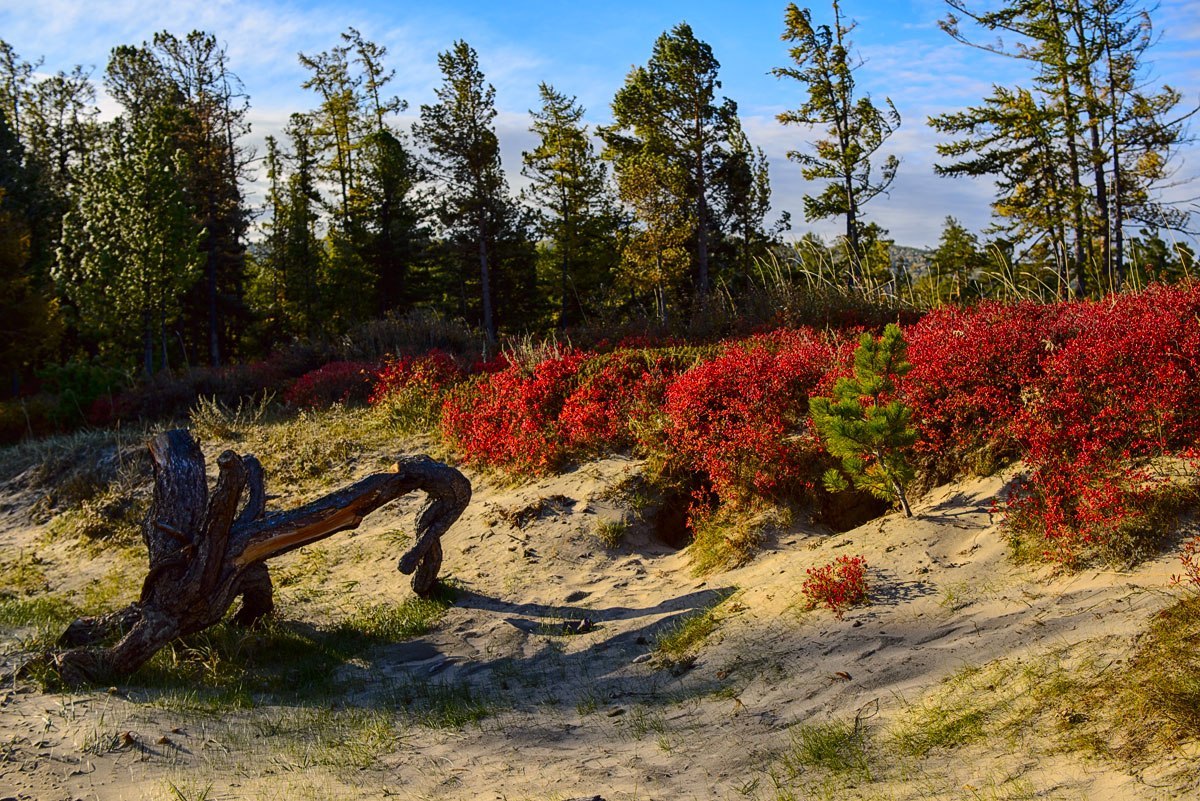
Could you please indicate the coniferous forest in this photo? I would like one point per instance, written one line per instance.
(157, 242)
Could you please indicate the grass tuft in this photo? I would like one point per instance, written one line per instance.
(732, 536)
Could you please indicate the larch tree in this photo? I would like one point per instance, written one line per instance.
(855, 128)
(1108, 136)
(668, 111)
(655, 259)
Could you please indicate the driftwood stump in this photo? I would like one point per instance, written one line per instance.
(204, 552)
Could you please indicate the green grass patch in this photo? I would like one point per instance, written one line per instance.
(227, 666)
(686, 634)
(967, 707)
(43, 612)
(835, 747)
(410, 618)
(610, 532)
(1151, 705)
(442, 705)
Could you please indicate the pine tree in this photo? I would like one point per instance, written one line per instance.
(865, 425)
(955, 261)
(570, 191)
(855, 128)
(459, 134)
(131, 244)
(668, 111)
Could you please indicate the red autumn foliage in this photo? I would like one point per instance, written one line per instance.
(614, 391)
(509, 418)
(969, 369)
(336, 382)
(837, 586)
(1123, 391)
(433, 372)
(741, 418)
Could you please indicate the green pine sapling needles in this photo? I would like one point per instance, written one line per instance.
(865, 425)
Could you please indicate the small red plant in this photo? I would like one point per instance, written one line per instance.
(1190, 559)
(838, 585)
(336, 382)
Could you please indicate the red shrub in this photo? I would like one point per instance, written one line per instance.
(336, 382)
(838, 585)
(434, 373)
(1124, 390)
(741, 418)
(970, 367)
(615, 390)
(509, 418)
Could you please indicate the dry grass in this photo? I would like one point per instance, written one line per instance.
(732, 536)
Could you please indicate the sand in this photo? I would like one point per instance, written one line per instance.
(595, 713)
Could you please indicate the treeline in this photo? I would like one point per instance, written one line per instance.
(130, 242)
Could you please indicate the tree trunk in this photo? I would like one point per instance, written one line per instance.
(489, 324)
(204, 552)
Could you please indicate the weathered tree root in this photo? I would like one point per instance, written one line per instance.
(204, 553)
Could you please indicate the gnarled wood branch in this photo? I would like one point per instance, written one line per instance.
(204, 552)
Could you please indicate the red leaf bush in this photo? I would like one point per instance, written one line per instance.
(616, 392)
(413, 388)
(837, 586)
(741, 418)
(336, 382)
(1122, 393)
(510, 418)
(969, 369)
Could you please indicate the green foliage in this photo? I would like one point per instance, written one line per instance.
(577, 213)
(77, 383)
(459, 133)
(668, 141)
(855, 129)
(1078, 156)
(865, 425)
(131, 241)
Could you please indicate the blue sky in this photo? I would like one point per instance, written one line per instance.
(586, 49)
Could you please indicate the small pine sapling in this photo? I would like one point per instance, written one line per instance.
(865, 425)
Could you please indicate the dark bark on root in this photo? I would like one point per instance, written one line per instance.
(204, 552)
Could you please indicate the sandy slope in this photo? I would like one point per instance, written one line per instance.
(590, 713)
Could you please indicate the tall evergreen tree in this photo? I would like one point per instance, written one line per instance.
(464, 152)
(132, 246)
(855, 127)
(186, 85)
(377, 231)
(668, 111)
(655, 259)
(744, 190)
(576, 212)
(29, 320)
